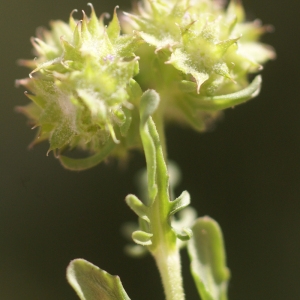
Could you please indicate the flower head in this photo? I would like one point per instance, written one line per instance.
(81, 84)
(205, 49)
(197, 54)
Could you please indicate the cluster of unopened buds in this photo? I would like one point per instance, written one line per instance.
(87, 78)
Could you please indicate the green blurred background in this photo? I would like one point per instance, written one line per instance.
(245, 174)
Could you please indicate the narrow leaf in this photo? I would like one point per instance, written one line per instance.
(230, 100)
(181, 202)
(208, 260)
(142, 238)
(92, 283)
(138, 207)
(89, 162)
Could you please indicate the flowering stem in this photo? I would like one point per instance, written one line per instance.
(163, 242)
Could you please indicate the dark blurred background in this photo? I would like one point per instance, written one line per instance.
(245, 174)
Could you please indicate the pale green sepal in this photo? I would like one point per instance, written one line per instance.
(95, 26)
(236, 9)
(89, 162)
(225, 101)
(31, 110)
(138, 207)
(61, 135)
(208, 259)
(142, 238)
(181, 202)
(92, 283)
(223, 46)
(113, 30)
(38, 100)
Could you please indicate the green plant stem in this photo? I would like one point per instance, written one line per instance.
(166, 253)
(169, 267)
(164, 247)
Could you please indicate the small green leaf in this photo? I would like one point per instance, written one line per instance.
(149, 103)
(89, 162)
(182, 232)
(181, 202)
(142, 238)
(92, 283)
(138, 207)
(208, 260)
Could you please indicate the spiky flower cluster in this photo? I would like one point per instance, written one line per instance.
(212, 50)
(196, 54)
(81, 83)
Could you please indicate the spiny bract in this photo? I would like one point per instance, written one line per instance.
(82, 84)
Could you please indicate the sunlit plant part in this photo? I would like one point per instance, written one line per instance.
(80, 85)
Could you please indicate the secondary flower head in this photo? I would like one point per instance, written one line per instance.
(206, 50)
(81, 84)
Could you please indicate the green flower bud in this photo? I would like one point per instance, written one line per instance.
(200, 52)
(82, 86)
